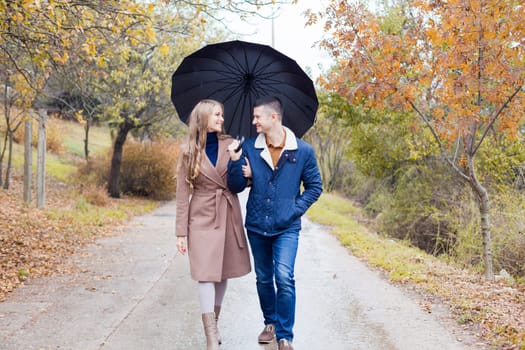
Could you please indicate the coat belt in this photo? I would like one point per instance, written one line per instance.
(235, 217)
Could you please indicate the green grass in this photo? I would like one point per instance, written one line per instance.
(99, 138)
(60, 167)
(83, 213)
(402, 262)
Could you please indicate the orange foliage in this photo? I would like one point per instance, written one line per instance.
(460, 63)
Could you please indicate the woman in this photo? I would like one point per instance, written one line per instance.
(209, 222)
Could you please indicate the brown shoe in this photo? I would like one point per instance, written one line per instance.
(285, 344)
(267, 334)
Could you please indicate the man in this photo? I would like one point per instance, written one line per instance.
(278, 163)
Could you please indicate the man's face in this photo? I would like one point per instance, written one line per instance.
(262, 119)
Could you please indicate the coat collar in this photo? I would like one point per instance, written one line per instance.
(290, 145)
(291, 142)
(216, 173)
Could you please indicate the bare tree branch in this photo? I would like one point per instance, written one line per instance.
(498, 113)
(438, 140)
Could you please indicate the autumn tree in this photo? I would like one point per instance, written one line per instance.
(129, 66)
(37, 37)
(458, 65)
(133, 81)
(115, 49)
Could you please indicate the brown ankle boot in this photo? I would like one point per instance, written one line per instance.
(217, 312)
(210, 329)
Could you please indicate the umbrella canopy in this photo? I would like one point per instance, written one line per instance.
(236, 73)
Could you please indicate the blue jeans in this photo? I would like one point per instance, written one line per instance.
(274, 260)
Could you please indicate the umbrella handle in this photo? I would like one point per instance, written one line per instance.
(241, 141)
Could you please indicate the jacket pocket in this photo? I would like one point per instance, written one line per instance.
(285, 213)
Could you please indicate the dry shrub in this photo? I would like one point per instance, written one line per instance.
(512, 255)
(54, 139)
(54, 132)
(95, 195)
(95, 171)
(421, 208)
(149, 169)
(508, 231)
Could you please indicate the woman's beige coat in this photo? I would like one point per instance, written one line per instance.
(211, 219)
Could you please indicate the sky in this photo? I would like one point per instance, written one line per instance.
(291, 37)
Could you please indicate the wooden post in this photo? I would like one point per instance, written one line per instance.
(41, 160)
(28, 160)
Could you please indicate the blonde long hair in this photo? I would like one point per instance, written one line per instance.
(197, 133)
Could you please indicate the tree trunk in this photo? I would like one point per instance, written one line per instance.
(9, 161)
(4, 146)
(86, 139)
(41, 159)
(116, 160)
(484, 205)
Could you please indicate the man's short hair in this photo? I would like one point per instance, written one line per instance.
(273, 102)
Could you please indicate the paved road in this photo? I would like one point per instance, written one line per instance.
(134, 292)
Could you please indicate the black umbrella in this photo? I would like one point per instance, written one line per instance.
(236, 73)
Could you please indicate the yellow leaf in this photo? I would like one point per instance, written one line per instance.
(150, 34)
(79, 117)
(101, 62)
(164, 49)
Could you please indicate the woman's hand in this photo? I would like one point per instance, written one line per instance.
(247, 169)
(234, 156)
(182, 244)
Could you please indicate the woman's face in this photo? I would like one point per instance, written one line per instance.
(215, 120)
